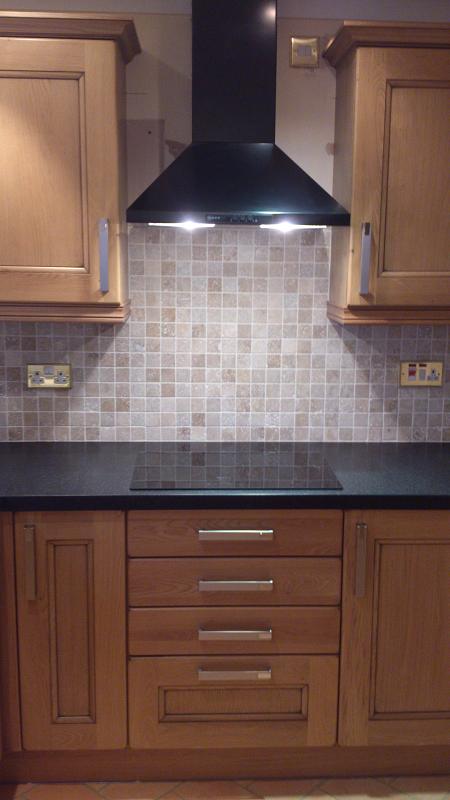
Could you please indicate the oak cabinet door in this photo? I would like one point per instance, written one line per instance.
(71, 624)
(401, 186)
(60, 109)
(395, 662)
(391, 171)
(10, 735)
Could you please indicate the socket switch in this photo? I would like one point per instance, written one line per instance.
(421, 373)
(49, 376)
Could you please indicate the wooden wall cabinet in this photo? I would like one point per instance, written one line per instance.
(62, 167)
(395, 659)
(71, 629)
(392, 173)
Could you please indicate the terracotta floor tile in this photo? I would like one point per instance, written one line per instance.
(431, 787)
(213, 790)
(137, 790)
(12, 790)
(356, 789)
(61, 791)
(283, 790)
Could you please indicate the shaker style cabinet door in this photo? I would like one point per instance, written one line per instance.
(403, 184)
(395, 663)
(61, 159)
(10, 735)
(391, 171)
(71, 623)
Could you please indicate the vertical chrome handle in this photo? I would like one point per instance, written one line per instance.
(366, 244)
(235, 535)
(263, 674)
(30, 562)
(103, 237)
(205, 635)
(361, 559)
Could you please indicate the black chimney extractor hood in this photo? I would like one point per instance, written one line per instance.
(233, 173)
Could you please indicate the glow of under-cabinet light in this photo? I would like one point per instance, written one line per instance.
(287, 227)
(188, 225)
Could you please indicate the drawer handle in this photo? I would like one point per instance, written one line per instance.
(103, 234)
(235, 586)
(360, 559)
(366, 244)
(263, 674)
(30, 562)
(235, 535)
(235, 636)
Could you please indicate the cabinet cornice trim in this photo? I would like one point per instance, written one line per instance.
(73, 26)
(354, 34)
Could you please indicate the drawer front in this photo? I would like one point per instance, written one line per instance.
(212, 702)
(235, 532)
(234, 581)
(180, 631)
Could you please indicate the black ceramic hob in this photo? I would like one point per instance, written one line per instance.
(232, 465)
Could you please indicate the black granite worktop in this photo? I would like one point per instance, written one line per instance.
(43, 476)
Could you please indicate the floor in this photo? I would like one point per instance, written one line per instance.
(426, 788)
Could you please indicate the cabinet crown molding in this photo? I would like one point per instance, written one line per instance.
(73, 26)
(354, 33)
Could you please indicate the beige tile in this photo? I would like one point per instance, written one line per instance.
(8, 791)
(427, 787)
(213, 790)
(61, 791)
(283, 790)
(137, 790)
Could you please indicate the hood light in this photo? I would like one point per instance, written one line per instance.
(187, 226)
(286, 227)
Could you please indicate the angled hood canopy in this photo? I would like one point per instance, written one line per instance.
(233, 173)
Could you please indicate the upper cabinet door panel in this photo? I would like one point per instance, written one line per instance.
(59, 164)
(415, 233)
(401, 176)
(43, 169)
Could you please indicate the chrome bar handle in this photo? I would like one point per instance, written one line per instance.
(235, 586)
(263, 674)
(103, 237)
(361, 559)
(30, 562)
(366, 246)
(235, 535)
(264, 635)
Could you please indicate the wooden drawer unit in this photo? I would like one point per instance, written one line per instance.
(237, 532)
(234, 581)
(209, 702)
(188, 631)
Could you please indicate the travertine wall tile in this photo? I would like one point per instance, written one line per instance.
(228, 339)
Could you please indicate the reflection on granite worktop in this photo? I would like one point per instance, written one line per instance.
(231, 465)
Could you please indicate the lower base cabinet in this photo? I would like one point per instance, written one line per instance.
(265, 688)
(395, 659)
(209, 702)
(71, 629)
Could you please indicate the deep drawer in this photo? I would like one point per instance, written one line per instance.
(217, 702)
(188, 631)
(233, 581)
(235, 532)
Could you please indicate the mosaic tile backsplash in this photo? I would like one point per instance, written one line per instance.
(228, 339)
